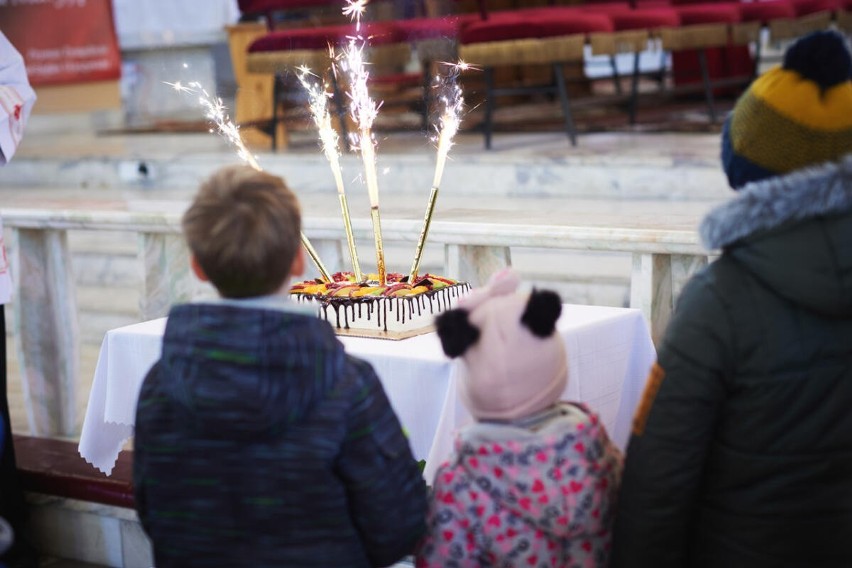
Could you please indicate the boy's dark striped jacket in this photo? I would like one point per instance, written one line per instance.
(260, 442)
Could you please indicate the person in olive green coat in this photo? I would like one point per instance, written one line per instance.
(741, 453)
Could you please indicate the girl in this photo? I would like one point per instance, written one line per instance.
(532, 482)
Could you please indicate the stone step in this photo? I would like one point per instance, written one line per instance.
(533, 165)
(80, 531)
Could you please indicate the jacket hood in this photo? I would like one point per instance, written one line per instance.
(558, 479)
(792, 233)
(251, 382)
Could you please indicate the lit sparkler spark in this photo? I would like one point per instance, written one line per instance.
(364, 111)
(452, 102)
(304, 71)
(363, 108)
(216, 112)
(457, 67)
(178, 86)
(319, 96)
(355, 9)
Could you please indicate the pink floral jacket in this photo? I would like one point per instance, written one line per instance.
(511, 496)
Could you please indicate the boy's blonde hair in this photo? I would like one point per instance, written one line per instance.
(243, 228)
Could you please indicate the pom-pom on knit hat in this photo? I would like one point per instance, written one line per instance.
(792, 116)
(515, 361)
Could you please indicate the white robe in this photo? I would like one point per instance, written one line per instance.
(16, 102)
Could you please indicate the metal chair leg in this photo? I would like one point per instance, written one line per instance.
(661, 76)
(276, 97)
(427, 94)
(708, 89)
(489, 106)
(757, 49)
(566, 105)
(634, 90)
(341, 111)
(616, 78)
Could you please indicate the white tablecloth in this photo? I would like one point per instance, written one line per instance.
(609, 355)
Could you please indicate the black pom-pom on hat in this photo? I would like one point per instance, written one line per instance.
(822, 57)
(456, 332)
(543, 309)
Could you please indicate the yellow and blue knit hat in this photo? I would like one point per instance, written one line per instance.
(793, 116)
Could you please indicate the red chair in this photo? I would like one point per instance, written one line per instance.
(761, 14)
(633, 28)
(808, 7)
(433, 39)
(702, 50)
(281, 51)
(514, 39)
(273, 10)
(766, 11)
(844, 17)
(651, 20)
(808, 16)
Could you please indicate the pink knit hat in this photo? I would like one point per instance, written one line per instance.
(515, 361)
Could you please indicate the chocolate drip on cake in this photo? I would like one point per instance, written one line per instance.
(385, 310)
(404, 308)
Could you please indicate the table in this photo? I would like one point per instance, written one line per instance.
(609, 355)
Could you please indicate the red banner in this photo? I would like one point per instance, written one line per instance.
(63, 41)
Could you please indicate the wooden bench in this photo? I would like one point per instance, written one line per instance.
(54, 467)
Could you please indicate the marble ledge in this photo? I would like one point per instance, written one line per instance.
(43, 500)
(88, 532)
(498, 231)
(654, 175)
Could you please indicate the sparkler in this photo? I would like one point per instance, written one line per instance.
(319, 96)
(355, 9)
(364, 111)
(452, 102)
(217, 113)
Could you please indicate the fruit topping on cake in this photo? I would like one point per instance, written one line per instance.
(397, 310)
(343, 285)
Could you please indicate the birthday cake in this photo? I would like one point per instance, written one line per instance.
(397, 310)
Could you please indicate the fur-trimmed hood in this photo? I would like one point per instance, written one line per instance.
(764, 205)
(794, 234)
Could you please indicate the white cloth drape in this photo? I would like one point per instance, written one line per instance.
(609, 355)
(16, 103)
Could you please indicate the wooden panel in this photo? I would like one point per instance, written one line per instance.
(612, 43)
(788, 29)
(54, 467)
(254, 90)
(694, 37)
(82, 97)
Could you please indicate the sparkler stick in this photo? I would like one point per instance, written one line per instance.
(452, 102)
(364, 111)
(216, 112)
(319, 96)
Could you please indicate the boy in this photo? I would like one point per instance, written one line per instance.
(259, 441)
(741, 452)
